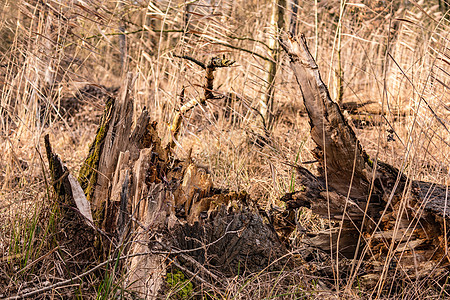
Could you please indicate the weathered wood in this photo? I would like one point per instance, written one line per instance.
(114, 209)
(169, 209)
(67, 188)
(181, 222)
(111, 157)
(89, 170)
(327, 202)
(339, 151)
(116, 141)
(75, 233)
(404, 220)
(139, 139)
(232, 237)
(146, 273)
(434, 198)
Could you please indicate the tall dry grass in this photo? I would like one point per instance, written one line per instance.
(393, 57)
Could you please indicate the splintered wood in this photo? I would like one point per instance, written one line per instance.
(386, 217)
(166, 210)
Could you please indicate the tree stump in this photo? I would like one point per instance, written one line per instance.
(166, 211)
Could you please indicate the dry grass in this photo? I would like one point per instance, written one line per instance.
(395, 60)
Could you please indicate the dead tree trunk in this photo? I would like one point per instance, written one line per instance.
(397, 219)
(167, 211)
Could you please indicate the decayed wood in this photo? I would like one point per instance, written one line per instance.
(77, 233)
(106, 174)
(116, 141)
(146, 273)
(169, 209)
(180, 221)
(404, 219)
(111, 138)
(342, 158)
(315, 196)
(66, 186)
(153, 203)
(336, 140)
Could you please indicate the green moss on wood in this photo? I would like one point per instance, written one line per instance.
(89, 171)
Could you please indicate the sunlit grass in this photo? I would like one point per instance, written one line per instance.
(394, 56)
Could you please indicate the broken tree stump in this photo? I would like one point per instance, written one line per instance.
(387, 218)
(166, 212)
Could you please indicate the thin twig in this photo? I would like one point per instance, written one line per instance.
(199, 63)
(198, 248)
(191, 274)
(243, 50)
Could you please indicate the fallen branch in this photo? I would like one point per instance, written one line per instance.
(384, 216)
